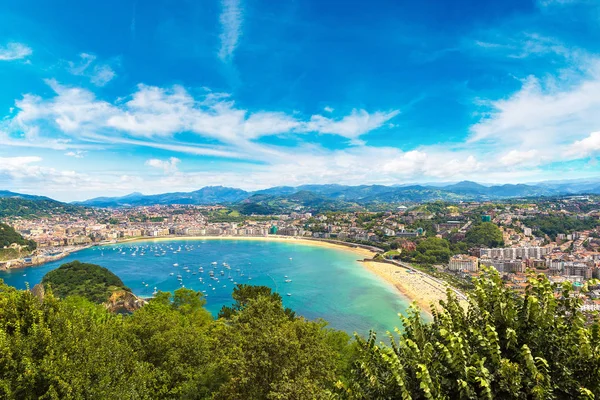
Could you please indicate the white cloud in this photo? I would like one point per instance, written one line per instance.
(544, 112)
(168, 166)
(98, 73)
(231, 28)
(517, 158)
(76, 154)
(586, 147)
(153, 112)
(351, 126)
(102, 75)
(14, 51)
(26, 170)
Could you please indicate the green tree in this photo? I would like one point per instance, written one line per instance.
(503, 346)
(485, 234)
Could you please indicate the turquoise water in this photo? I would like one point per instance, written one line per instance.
(325, 282)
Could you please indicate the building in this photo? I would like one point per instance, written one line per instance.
(508, 266)
(512, 253)
(463, 263)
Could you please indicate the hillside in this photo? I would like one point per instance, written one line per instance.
(35, 207)
(12, 244)
(95, 283)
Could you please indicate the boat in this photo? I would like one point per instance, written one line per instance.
(213, 263)
(171, 274)
(288, 280)
(176, 265)
(289, 294)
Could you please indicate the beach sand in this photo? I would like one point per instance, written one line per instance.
(416, 286)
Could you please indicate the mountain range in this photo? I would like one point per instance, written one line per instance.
(362, 194)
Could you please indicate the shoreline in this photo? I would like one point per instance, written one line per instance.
(415, 287)
(351, 247)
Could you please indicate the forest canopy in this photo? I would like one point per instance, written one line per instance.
(90, 281)
(504, 345)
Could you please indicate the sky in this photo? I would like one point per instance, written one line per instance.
(119, 96)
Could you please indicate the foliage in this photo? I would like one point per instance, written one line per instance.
(553, 225)
(8, 236)
(433, 250)
(503, 346)
(242, 294)
(91, 281)
(169, 349)
(27, 208)
(485, 234)
(536, 346)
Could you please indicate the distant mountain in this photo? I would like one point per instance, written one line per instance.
(362, 194)
(9, 194)
(206, 195)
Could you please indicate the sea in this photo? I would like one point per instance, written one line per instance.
(316, 282)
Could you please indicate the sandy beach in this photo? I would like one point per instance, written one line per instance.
(416, 286)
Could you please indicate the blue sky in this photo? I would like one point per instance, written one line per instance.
(107, 98)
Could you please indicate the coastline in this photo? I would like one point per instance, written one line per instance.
(419, 287)
(416, 286)
(354, 248)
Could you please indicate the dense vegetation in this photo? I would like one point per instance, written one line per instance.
(169, 349)
(485, 234)
(504, 346)
(8, 236)
(91, 281)
(27, 208)
(552, 225)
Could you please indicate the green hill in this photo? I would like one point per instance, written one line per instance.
(8, 237)
(36, 208)
(91, 281)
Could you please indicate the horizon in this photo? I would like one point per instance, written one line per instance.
(558, 185)
(119, 97)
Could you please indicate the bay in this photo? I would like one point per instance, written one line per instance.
(323, 282)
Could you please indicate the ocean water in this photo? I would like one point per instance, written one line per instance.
(325, 282)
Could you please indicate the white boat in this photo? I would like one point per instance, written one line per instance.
(289, 294)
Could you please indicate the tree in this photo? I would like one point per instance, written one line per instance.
(91, 281)
(270, 356)
(536, 346)
(433, 250)
(486, 234)
(243, 293)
